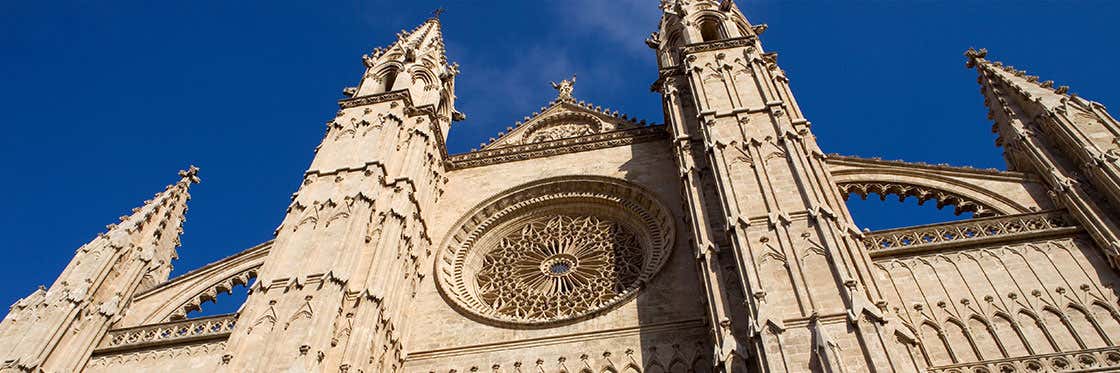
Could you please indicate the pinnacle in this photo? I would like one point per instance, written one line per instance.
(190, 174)
(1010, 75)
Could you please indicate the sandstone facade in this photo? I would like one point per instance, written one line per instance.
(582, 240)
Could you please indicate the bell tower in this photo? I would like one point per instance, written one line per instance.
(789, 287)
(335, 292)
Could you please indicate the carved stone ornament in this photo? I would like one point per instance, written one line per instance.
(557, 251)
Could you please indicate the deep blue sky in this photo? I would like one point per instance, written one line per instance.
(102, 102)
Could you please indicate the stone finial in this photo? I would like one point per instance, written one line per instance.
(565, 88)
(190, 174)
(973, 55)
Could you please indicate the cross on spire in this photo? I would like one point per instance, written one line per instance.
(436, 13)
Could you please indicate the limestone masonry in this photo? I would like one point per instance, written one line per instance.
(582, 240)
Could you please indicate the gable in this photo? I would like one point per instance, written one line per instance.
(563, 120)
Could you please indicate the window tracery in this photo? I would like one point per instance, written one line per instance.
(558, 251)
(559, 266)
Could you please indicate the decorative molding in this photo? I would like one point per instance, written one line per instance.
(972, 232)
(162, 334)
(922, 193)
(557, 147)
(1106, 359)
(376, 98)
(847, 160)
(718, 44)
(177, 352)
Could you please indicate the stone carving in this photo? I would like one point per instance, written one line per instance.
(564, 88)
(1001, 227)
(923, 194)
(558, 267)
(555, 265)
(558, 132)
(557, 251)
(217, 327)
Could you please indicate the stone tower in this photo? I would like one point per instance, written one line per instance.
(758, 186)
(346, 261)
(55, 329)
(584, 240)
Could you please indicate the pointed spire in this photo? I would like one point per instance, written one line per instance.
(1026, 88)
(138, 248)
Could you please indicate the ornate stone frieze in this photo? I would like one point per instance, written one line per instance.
(554, 252)
(719, 44)
(943, 198)
(937, 236)
(376, 98)
(214, 327)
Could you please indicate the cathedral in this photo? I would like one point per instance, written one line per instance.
(584, 240)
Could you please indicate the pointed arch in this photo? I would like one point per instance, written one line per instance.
(1060, 330)
(678, 366)
(1008, 335)
(1038, 340)
(1086, 328)
(1108, 320)
(960, 344)
(985, 338)
(934, 345)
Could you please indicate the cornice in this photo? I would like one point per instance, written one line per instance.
(718, 44)
(987, 173)
(557, 147)
(376, 98)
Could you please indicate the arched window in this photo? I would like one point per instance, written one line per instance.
(388, 79)
(710, 30)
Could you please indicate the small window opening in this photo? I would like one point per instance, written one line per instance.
(709, 30)
(388, 80)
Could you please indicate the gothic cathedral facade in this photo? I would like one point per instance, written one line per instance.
(582, 240)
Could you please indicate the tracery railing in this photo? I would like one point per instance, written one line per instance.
(1105, 359)
(969, 231)
(212, 327)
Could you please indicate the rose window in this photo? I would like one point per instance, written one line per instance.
(559, 266)
(557, 252)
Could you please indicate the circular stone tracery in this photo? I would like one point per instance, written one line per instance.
(553, 252)
(559, 266)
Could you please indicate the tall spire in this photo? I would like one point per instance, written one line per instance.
(416, 62)
(130, 256)
(1071, 142)
(349, 255)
